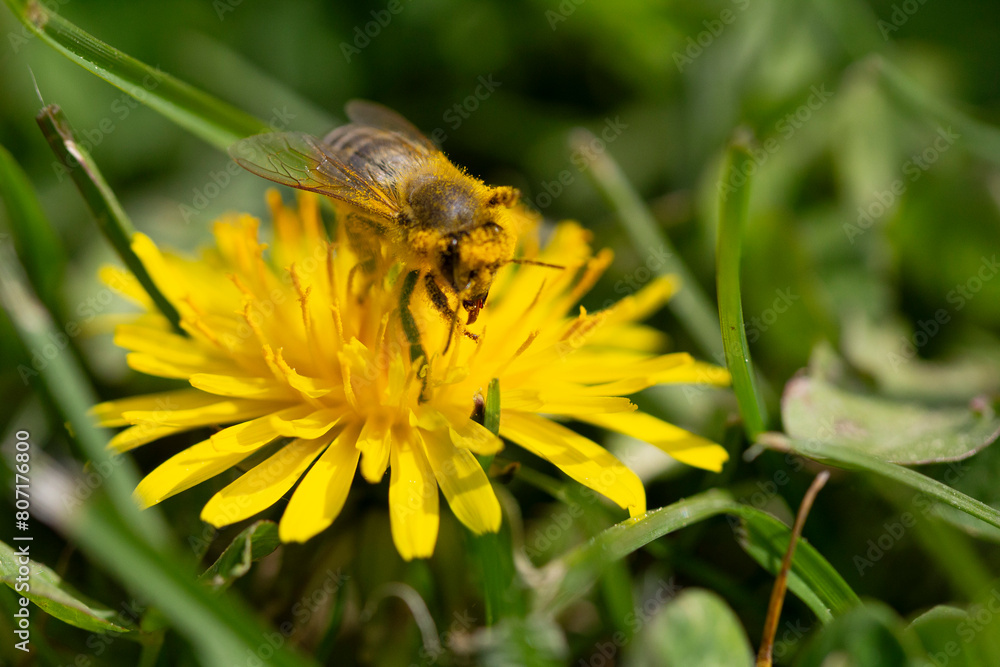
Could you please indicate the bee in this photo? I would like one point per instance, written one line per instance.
(395, 186)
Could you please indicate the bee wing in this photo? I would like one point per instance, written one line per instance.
(372, 114)
(302, 161)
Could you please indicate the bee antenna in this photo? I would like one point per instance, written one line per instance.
(532, 262)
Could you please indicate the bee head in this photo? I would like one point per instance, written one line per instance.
(470, 262)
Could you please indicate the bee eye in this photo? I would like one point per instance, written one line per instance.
(493, 228)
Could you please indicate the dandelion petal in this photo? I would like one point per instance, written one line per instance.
(463, 483)
(263, 485)
(580, 458)
(321, 495)
(183, 470)
(413, 502)
(678, 443)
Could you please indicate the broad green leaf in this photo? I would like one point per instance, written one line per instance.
(851, 459)
(535, 641)
(865, 636)
(908, 433)
(573, 573)
(36, 242)
(697, 628)
(950, 636)
(811, 578)
(874, 348)
(214, 121)
(54, 596)
(253, 543)
(734, 198)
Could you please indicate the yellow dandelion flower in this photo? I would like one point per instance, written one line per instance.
(304, 355)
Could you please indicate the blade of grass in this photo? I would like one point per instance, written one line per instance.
(109, 214)
(734, 199)
(108, 526)
(690, 304)
(850, 459)
(72, 395)
(36, 242)
(814, 579)
(216, 122)
(220, 629)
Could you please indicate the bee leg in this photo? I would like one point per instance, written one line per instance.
(410, 329)
(440, 301)
(368, 267)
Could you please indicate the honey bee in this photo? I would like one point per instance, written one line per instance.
(396, 187)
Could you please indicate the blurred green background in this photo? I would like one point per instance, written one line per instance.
(871, 212)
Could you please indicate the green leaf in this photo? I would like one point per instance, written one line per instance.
(253, 543)
(109, 214)
(36, 242)
(868, 635)
(850, 459)
(901, 432)
(214, 121)
(536, 641)
(55, 596)
(811, 578)
(734, 197)
(950, 636)
(574, 572)
(697, 628)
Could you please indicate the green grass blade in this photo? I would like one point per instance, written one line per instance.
(692, 307)
(109, 214)
(72, 395)
(108, 526)
(216, 122)
(849, 459)
(812, 578)
(733, 203)
(36, 242)
(220, 629)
